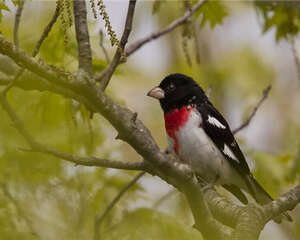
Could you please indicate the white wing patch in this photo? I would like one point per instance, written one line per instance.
(229, 153)
(215, 122)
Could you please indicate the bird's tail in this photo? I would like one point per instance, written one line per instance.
(262, 197)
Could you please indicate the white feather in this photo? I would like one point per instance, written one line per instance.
(229, 153)
(215, 122)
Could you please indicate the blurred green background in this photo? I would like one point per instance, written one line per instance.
(237, 48)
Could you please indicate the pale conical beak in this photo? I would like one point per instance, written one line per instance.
(156, 92)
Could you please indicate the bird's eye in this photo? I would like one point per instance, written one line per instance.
(172, 86)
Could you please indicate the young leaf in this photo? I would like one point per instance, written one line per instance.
(213, 12)
(284, 16)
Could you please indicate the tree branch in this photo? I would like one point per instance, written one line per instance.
(17, 22)
(138, 44)
(133, 132)
(82, 36)
(296, 57)
(106, 74)
(286, 202)
(248, 120)
(130, 129)
(221, 208)
(37, 66)
(38, 45)
(246, 228)
(99, 219)
(204, 221)
(46, 31)
(37, 147)
(164, 198)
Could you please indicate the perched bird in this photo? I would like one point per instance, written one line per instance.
(199, 136)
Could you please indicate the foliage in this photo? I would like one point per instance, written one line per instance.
(3, 7)
(283, 15)
(151, 225)
(213, 12)
(42, 197)
(66, 17)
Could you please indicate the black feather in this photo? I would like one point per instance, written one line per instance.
(236, 192)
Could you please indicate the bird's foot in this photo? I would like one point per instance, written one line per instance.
(206, 185)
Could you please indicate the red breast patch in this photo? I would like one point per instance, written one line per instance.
(174, 120)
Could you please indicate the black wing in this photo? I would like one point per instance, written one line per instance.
(217, 128)
(236, 192)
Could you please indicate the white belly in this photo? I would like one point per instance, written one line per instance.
(197, 150)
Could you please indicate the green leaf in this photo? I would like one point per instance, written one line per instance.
(17, 2)
(98, 65)
(156, 6)
(3, 7)
(148, 224)
(270, 170)
(213, 12)
(295, 168)
(283, 16)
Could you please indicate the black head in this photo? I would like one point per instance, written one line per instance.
(178, 90)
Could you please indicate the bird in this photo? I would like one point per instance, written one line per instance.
(198, 135)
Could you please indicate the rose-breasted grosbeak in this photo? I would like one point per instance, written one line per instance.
(200, 136)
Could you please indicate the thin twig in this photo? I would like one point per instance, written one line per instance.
(82, 36)
(17, 22)
(99, 219)
(107, 73)
(101, 36)
(164, 198)
(296, 57)
(37, 147)
(12, 83)
(36, 49)
(248, 120)
(46, 31)
(136, 45)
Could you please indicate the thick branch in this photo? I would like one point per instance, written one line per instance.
(138, 44)
(37, 66)
(246, 228)
(82, 36)
(221, 208)
(204, 221)
(106, 75)
(286, 202)
(248, 120)
(249, 224)
(130, 129)
(99, 219)
(17, 22)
